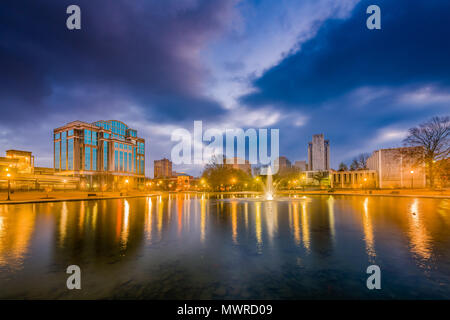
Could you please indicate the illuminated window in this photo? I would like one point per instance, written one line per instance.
(70, 154)
(116, 160)
(94, 159)
(87, 137)
(94, 138)
(121, 160)
(63, 150)
(57, 164)
(105, 156)
(87, 158)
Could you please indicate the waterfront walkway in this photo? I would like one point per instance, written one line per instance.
(58, 196)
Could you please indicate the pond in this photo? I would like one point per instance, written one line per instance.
(202, 246)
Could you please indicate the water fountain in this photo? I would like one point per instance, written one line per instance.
(269, 189)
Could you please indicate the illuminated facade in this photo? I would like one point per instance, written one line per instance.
(162, 168)
(104, 152)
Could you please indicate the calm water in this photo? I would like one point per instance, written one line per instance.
(187, 246)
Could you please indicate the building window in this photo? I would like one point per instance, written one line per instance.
(121, 161)
(70, 154)
(87, 137)
(87, 158)
(70, 133)
(106, 135)
(57, 164)
(94, 159)
(57, 136)
(125, 161)
(129, 162)
(94, 138)
(134, 160)
(105, 155)
(116, 160)
(63, 150)
(142, 166)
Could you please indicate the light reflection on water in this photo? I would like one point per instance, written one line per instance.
(200, 246)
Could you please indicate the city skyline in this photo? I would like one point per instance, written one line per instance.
(214, 61)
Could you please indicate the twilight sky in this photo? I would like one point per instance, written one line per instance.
(303, 66)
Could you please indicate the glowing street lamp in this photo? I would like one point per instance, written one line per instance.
(412, 179)
(8, 175)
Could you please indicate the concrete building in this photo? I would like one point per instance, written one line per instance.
(397, 168)
(318, 153)
(358, 179)
(103, 153)
(162, 168)
(301, 165)
(23, 175)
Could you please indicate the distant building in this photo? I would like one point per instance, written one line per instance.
(17, 161)
(282, 164)
(104, 152)
(354, 179)
(25, 176)
(301, 165)
(319, 153)
(162, 168)
(239, 164)
(183, 181)
(396, 168)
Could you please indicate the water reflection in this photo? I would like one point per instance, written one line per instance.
(16, 228)
(368, 231)
(165, 241)
(420, 240)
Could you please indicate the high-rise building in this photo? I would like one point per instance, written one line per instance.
(319, 153)
(162, 168)
(102, 152)
(282, 164)
(301, 165)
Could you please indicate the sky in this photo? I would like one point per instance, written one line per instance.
(303, 67)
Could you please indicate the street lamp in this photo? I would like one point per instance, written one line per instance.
(412, 179)
(8, 175)
(126, 182)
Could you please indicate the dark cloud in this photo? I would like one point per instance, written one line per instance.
(145, 51)
(348, 79)
(412, 47)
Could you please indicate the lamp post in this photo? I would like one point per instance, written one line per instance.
(412, 179)
(126, 182)
(8, 175)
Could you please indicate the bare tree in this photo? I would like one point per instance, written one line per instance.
(343, 167)
(431, 141)
(360, 162)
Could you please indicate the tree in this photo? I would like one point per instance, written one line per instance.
(319, 176)
(430, 141)
(221, 177)
(343, 167)
(360, 162)
(354, 165)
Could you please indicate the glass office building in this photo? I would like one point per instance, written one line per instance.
(105, 153)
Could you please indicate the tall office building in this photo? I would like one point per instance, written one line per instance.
(319, 153)
(162, 168)
(282, 164)
(102, 152)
